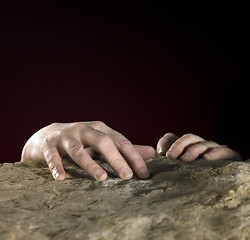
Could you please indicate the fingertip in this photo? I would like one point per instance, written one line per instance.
(167, 155)
(171, 155)
(126, 173)
(60, 177)
(213, 154)
(144, 173)
(208, 157)
(150, 152)
(205, 156)
(158, 147)
(59, 174)
(151, 149)
(160, 151)
(100, 175)
(103, 177)
(146, 152)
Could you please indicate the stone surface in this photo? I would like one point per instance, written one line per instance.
(197, 200)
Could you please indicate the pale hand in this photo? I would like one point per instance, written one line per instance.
(189, 147)
(81, 141)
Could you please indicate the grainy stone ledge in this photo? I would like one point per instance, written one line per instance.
(198, 200)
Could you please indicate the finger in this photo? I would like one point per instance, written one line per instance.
(132, 156)
(77, 152)
(222, 152)
(197, 149)
(180, 144)
(54, 161)
(165, 142)
(102, 143)
(126, 148)
(146, 152)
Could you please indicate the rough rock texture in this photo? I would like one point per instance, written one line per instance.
(198, 200)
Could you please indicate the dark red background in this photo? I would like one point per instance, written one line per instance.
(144, 69)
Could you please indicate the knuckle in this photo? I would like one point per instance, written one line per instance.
(210, 143)
(98, 124)
(47, 140)
(45, 145)
(72, 146)
(123, 142)
(49, 156)
(77, 125)
(75, 148)
(102, 139)
(189, 135)
(206, 145)
(116, 161)
(74, 128)
(51, 137)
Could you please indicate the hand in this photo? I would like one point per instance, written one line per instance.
(80, 141)
(190, 146)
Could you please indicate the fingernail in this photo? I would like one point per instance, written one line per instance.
(144, 173)
(207, 156)
(126, 173)
(159, 150)
(100, 175)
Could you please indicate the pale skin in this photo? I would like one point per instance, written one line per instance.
(83, 141)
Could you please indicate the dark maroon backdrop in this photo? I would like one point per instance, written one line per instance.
(145, 70)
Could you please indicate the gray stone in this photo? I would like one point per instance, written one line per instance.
(197, 200)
